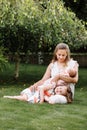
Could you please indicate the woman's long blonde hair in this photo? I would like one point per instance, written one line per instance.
(61, 46)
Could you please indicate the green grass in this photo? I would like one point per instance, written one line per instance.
(18, 115)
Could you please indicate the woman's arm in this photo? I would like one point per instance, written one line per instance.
(69, 79)
(45, 77)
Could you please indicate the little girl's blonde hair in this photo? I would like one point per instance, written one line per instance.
(69, 95)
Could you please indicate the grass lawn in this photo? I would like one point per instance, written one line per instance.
(18, 115)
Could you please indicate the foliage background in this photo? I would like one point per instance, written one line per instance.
(28, 25)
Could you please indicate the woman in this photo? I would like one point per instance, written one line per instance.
(60, 63)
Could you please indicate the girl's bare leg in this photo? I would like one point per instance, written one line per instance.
(20, 97)
(42, 96)
(46, 98)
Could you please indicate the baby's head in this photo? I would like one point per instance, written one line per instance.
(65, 91)
(72, 72)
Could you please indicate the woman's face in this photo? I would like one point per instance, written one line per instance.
(61, 90)
(61, 55)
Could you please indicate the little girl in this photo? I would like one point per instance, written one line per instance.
(60, 92)
(34, 97)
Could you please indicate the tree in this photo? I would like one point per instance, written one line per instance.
(31, 26)
(60, 25)
(19, 28)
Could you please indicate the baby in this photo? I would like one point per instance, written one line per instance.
(68, 72)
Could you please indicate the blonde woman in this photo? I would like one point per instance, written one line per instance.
(60, 64)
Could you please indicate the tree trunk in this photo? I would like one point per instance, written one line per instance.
(17, 62)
